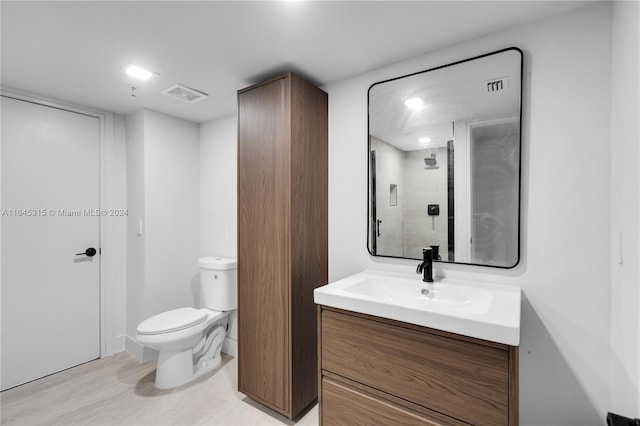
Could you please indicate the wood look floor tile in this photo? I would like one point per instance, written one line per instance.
(118, 390)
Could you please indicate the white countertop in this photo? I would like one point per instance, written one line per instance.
(481, 310)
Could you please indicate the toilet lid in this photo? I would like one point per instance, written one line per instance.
(177, 319)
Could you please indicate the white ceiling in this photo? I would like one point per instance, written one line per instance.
(75, 51)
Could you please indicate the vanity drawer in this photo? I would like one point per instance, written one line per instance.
(459, 378)
(351, 407)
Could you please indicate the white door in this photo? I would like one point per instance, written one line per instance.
(50, 190)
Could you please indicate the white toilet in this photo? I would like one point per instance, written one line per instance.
(190, 340)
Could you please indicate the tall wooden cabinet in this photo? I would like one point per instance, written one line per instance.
(282, 239)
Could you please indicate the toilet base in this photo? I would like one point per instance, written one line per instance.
(177, 368)
(208, 366)
(174, 369)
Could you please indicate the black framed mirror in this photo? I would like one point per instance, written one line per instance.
(444, 162)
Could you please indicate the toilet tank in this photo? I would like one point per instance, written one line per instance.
(219, 283)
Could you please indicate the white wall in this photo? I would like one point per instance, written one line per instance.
(564, 271)
(172, 192)
(163, 191)
(135, 206)
(625, 196)
(218, 200)
(116, 237)
(218, 187)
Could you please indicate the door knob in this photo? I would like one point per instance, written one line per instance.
(90, 252)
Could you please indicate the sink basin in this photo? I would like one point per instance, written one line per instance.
(414, 293)
(485, 311)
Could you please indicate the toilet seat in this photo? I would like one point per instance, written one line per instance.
(174, 320)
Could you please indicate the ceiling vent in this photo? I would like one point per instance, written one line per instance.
(185, 94)
(496, 86)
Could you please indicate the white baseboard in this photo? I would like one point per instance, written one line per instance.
(140, 352)
(114, 346)
(230, 346)
(118, 344)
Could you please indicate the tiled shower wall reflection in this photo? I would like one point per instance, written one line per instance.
(426, 185)
(406, 228)
(389, 171)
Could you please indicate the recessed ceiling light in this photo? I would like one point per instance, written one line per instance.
(137, 72)
(414, 103)
(424, 140)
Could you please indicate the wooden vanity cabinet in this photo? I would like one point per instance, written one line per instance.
(376, 371)
(282, 239)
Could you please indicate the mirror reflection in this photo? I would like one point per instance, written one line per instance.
(444, 162)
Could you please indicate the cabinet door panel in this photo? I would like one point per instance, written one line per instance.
(343, 405)
(461, 379)
(263, 246)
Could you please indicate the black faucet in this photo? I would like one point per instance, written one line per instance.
(426, 267)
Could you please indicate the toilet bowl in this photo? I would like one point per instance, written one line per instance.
(189, 340)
